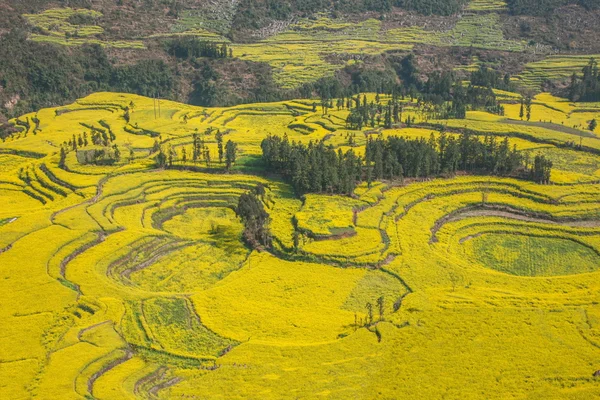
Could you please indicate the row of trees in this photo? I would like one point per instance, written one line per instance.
(319, 168)
(525, 109)
(107, 155)
(169, 156)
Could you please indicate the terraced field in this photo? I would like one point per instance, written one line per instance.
(54, 27)
(557, 67)
(125, 281)
(300, 50)
(300, 53)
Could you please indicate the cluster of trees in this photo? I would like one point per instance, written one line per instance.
(525, 109)
(187, 47)
(6, 129)
(169, 156)
(376, 113)
(80, 141)
(200, 151)
(491, 78)
(442, 96)
(233, 81)
(98, 137)
(251, 211)
(99, 156)
(397, 157)
(101, 138)
(540, 170)
(444, 87)
(586, 88)
(369, 319)
(312, 168)
(319, 168)
(37, 75)
(373, 114)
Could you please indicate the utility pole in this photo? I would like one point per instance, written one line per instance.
(154, 104)
(158, 100)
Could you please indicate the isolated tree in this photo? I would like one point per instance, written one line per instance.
(255, 219)
(117, 153)
(170, 157)
(369, 313)
(230, 154)
(219, 137)
(381, 307)
(592, 126)
(541, 169)
(522, 110)
(155, 147)
(161, 159)
(296, 240)
(454, 280)
(183, 155)
(207, 156)
(388, 118)
(63, 157)
(131, 155)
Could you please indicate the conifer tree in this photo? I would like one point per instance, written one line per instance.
(230, 154)
(219, 137)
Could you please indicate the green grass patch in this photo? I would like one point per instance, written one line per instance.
(533, 256)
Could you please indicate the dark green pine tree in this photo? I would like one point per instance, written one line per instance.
(230, 154)
(219, 137)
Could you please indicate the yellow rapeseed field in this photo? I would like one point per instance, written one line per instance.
(124, 281)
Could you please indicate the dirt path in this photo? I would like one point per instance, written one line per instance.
(101, 236)
(554, 127)
(91, 201)
(128, 354)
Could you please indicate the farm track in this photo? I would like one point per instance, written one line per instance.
(553, 127)
(101, 236)
(90, 384)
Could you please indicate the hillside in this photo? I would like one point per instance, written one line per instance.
(52, 52)
(122, 280)
(343, 199)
